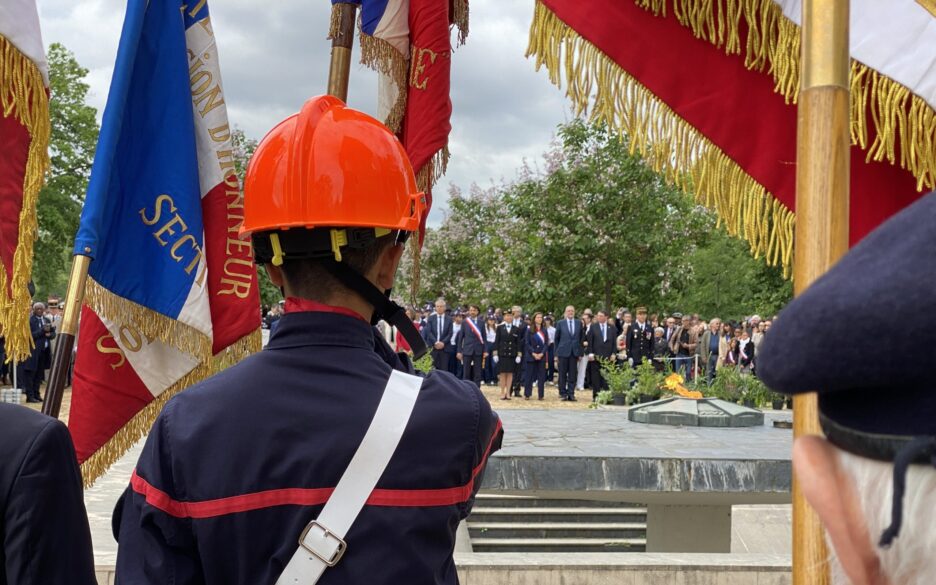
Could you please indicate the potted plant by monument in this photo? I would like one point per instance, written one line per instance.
(619, 380)
(648, 382)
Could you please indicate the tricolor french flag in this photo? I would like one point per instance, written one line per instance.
(172, 294)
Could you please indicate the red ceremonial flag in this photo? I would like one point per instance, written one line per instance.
(24, 159)
(706, 93)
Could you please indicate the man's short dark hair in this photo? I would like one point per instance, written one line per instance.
(310, 279)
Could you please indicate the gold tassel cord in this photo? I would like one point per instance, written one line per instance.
(669, 144)
(460, 19)
(901, 120)
(381, 56)
(23, 95)
(141, 423)
(149, 323)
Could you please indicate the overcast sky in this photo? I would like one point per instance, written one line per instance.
(274, 55)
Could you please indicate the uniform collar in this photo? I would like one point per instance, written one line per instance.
(321, 328)
(297, 305)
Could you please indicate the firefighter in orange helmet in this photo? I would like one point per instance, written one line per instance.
(322, 458)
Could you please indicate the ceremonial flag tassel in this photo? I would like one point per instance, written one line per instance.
(24, 160)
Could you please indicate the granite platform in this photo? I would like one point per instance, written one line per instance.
(689, 477)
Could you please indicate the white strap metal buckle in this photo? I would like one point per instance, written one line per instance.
(340, 549)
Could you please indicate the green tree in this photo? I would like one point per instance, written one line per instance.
(599, 226)
(71, 148)
(727, 282)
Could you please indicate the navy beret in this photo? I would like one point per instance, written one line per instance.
(862, 335)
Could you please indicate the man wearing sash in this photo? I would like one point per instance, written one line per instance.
(470, 343)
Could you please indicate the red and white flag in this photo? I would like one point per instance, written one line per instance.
(24, 159)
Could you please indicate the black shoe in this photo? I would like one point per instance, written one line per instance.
(563, 398)
(32, 400)
(572, 399)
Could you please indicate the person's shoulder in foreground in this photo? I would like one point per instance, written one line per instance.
(872, 478)
(43, 524)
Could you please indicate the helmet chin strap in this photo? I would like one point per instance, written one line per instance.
(384, 308)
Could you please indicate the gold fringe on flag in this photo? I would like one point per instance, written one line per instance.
(901, 119)
(383, 57)
(148, 322)
(460, 19)
(141, 423)
(23, 95)
(136, 428)
(669, 144)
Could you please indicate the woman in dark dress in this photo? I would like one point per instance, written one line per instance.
(508, 346)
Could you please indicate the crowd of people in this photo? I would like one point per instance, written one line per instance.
(517, 351)
(31, 373)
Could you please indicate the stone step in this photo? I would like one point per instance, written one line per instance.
(586, 515)
(558, 544)
(546, 530)
(504, 501)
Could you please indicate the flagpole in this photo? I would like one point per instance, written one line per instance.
(822, 191)
(343, 17)
(66, 335)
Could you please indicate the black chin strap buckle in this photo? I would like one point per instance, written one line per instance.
(384, 308)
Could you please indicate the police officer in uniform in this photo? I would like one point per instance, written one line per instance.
(43, 526)
(639, 340)
(256, 475)
(508, 349)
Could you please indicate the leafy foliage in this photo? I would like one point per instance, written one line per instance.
(71, 149)
(597, 228)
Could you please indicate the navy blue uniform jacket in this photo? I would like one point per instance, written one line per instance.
(43, 526)
(236, 466)
(467, 341)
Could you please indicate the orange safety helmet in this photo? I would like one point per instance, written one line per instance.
(330, 166)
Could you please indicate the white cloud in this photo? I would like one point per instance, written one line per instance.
(275, 55)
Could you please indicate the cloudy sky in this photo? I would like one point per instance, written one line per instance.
(274, 55)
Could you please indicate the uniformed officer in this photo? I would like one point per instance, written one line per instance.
(508, 349)
(872, 478)
(639, 340)
(43, 526)
(288, 463)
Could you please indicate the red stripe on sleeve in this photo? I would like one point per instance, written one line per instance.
(306, 496)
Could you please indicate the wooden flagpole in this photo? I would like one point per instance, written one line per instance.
(66, 335)
(822, 179)
(344, 14)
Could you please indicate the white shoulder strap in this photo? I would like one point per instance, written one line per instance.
(322, 543)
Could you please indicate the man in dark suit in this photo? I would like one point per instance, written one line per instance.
(43, 524)
(470, 346)
(639, 340)
(30, 372)
(602, 341)
(569, 340)
(438, 334)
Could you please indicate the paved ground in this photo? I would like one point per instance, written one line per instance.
(540, 435)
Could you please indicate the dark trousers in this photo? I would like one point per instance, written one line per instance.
(489, 375)
(551, 364)
(29, 381)
(471, 368)
(454, 366)
(568, 372)
(598, 383)
(440, 360)
(535, 371)
(517, 381)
